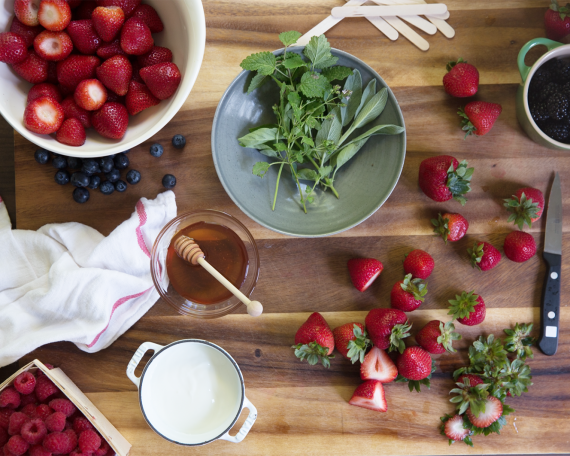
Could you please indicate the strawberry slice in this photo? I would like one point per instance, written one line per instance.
(139, 98)
(136, 38)
(490, 413)
(90, 94)
(108, 21)
(162, 79)
(71, 133)
(111, 121)
(84, 10)
(43, 116)
(45, 89)
(75, 69)
(13, 48)
(115, 74)
(27, 11)
(370, 395)
(84, 36)
(454, 429)
(34, 69)
(53, 46)
(377, 365)
(72, 111)
(363, 271)
(54, 15)
(25, 31)
(108, 50)
(157, 55)
(150, 17)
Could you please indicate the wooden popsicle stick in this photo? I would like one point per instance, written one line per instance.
(411, 2)
(447, 30)
(390, 10)
(384, 27)
(406, 31)
(420, 23)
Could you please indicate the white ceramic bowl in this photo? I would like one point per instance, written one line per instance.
(184, 34)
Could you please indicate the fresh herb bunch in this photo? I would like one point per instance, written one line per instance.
(309, 137)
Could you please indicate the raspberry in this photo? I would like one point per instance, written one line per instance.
(28, 399)
(57, 442)
(75, 453)
(55, 422)
(34, 431)
(43, 411)
(17, 445)
(6, 451)
(17, 420)
(5, 417)
(25, 383)
(104, 449)
(72, 440)
(64, 406)
(68, 425)
(45, 388)
(89, 441)
(39, 450)
(3, 437)
(10, 398)
(29, 410)
(81, 424)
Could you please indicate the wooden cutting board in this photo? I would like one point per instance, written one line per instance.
(302, 409)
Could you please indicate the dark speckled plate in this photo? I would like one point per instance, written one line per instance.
(364, 183)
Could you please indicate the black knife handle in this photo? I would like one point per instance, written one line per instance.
(550, 310)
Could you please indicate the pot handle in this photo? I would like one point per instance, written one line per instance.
(524, 70)
(136, 359)
(246, 425)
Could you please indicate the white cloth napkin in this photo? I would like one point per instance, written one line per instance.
(68, 282)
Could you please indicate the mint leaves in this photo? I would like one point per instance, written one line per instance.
(262, 62)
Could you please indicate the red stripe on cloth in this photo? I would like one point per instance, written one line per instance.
(142, 220)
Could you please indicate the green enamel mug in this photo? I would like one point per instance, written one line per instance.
(554, 50)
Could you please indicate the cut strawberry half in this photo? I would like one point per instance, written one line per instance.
(115, 74)
(53, 46)
(75, 69)
(111, 121)
(136, 38)
(43, 116)
(139, 98)
(454, 429)
(27, 11)
(13, 48)
(490, 413)
(377, 365)
(71, 133)
(90, 94)
(34, 69)
(84, 36)
(25, 31)
(370, 395)
(157, 55)
(363, 271)
(108, 21)
(54, 15)
(150, 17)
(72, 111)
(45, 89)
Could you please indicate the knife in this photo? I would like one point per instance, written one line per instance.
(549, 315)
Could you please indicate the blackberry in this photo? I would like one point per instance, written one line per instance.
(74, 163)
(80, 179)
(565, 89)
(541, 76)
(539, 112)
(59, 162)
(120, 186)
(106, 164)
(121, 161)
(107, 187)
(81, 195)
(133, 177)
(90, 167)
(42, 156)
(548, 90)
(557, 131)
(169, 181)
(178, 141)
(113, 176)
(563, 73)
(557, 106)
(62, 177)
(94, 182)
(156, 150)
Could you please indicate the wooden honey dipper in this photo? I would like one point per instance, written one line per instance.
(187, 249)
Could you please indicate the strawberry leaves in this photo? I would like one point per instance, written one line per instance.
(399, 332)
(519, 340)
(313, 353)
(416, 287)
(441, 226)
(357, 347)
(448, 335)
(522, 210)
(463, 304)
(459, 181)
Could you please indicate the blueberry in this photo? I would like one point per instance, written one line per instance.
(94, 182)
(62, 177)
(133, 176)
(74, 163)
(169, 181)
(59, 162)
(106, 164)
(120, 186)
(90, 167)
(178, 141)
(81, 195)
(80, 179)
(156, 150)
(107, 187)
(41, 156)
(121, 161)
(113, 176)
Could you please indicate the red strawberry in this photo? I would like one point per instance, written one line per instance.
(128, 6)
(13, 48)
(454, 429)
(107, 50)
(112, 96)
(437, 337)
(71, 133)
(377, 365)
(27, 11)
(136, 38)
(34, 69)
(408, 294)
(162, 79)
(54, 15)
(155, 56)
(419, 263)
(90, 94)
(474, 380)
(43, 115)
(484, 256)
(525, 206)
(415, 365)
(84, 36)
(479, 117)
(314, 341)
(45, 89)
(351, 341)
(387, 327)
(443, 177)
(557, 21)
(363, 271)
(52, 73)
(139, 98)
(519, 246)
(370, 395)
(451, 227)
(25, 31)
(54, 46)
(111, 121)
(75, 69)
(150, 17)
(74, 3)
(493, 410)
(468, 308)
(84, 10)
(115, 73)
(462, 79)
(108, 21)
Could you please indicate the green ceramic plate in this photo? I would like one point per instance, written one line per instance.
(364, 183)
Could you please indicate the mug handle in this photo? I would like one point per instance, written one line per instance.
(136, 359)
(524, 70)
(246, 425)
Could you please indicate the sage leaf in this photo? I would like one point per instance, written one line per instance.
(313, 84)
(260, 168)
(318, 51)
(289, 38)
(368, 93)
(353, 84)
(260, 136)
(379, 130)
(331, 129)
(336, 73)
(262, 62)
(307, 174)
(293, 61)
(267, 150)
(346, 153)
(372, 109)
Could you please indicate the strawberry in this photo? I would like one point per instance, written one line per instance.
(25, 31)
(157, 55)
(491, 412)
(75, 69)
(437, 337)
(72, 111)
(462, 79)
(408, 294)
(450, 226)
(363, 271)
(377, 365)
(112, 96)
(415, 366)
(45, 89)
(472, 379)
(115, 73)
(43, 115)
(454, 430)
(139, 98)
(128, 6)
(387, 327)
(136, 38)
(111, 121)
(108, 21)
(34, 69)
(484, 256)
(519, 246)
(468, 308)
(443, 177)
(162, 79)
(13, 48)
(136, 69)
(525, 206)
(74, 3)
(52, 73)
(351, 341)
(370, 395)
(557, 21)
(84, 36)
(314, 341)
(54, 15)
(27, 11)
(150, 17)
(71, 133)
(84, 10)
(418, 263)
(53, 46)
(479, 117)
(90, 94)
(107, 50)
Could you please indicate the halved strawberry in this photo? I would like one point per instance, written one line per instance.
(25, 31)
(27, 11)
(71, 133)
(111, 121)
(128, 6)
(108, 21)
(53, 46)
(377, 365)
(115, 74)
(84, 36)
(34, 69)
(45, 89)
(370, 395)
(139, 98)
(454, 429)
(150, 17)
(90, 94)
(492, 412)
(157, 55)
(13, 48)
(75, 69)
(136, 38)
(108, 50)
(72, 111)
(363, 271)
(54, 15)
(43, 115)
(84, 10)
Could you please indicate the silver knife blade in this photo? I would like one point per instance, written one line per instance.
(553, 234)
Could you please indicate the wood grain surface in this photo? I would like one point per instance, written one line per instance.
(303, 410)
